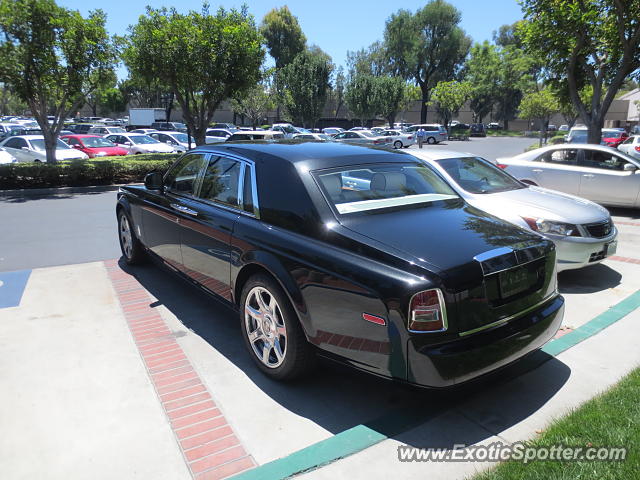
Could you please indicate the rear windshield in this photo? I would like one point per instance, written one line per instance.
(381, 186)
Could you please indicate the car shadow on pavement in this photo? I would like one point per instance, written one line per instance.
(588, 280)
(24, 196)
(630, 213)
(338, 398)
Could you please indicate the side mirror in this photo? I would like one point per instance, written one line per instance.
(629, 167)
(153, 181)
(25, 148)
(128, 144)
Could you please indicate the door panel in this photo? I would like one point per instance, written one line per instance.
(604, 179)
(557, 170)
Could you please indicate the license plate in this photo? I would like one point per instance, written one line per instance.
(513, 282)
(610, 248)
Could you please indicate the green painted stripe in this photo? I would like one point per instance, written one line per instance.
(397, 421)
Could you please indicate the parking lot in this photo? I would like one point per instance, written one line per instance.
(118, 372)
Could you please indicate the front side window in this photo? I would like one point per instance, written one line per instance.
(563, 156)
(15, 143)
(476, 175)
(602, 160)
(221, 181)
(382, 186)
(182, 177)
(97, 142)
(143, 139)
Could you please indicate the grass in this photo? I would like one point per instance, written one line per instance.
(611, 419)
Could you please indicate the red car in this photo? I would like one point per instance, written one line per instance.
(613, 137)
(94, 145)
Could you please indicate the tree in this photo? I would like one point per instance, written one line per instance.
(305, 84)
(338, 90)
(565, 105)
(52, 58)
(111, 101)
(147, 92)
(254, 104)
(390, 97)
(204, 58)
(591, 42)
(426, 47)
(10, 103)
(285, 40)
(360, 96)
(93, 99)
(539, 105)
(482, 71)
(515, 75)
(449, 97)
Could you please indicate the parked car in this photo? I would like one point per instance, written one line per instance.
(357, 129)
(332, 130)
(215, 135)
(552, 128)
(477, 130)
(170, 126)
(398, 138)
(582, 231)
(136, 143)
(600, 174)
(577, 135)
(80, 128)
(225, 126)
(105, 130)
(178, 140)
(30, 148)
(563, 128)
(613, 137)
(93, 145)
(399, 276)
(321, 137)
(362, 137)
(287, 130)
(494, 126)
(631, 146)
(6, 157)
(250, 135)
(435, 133)
(145, 131)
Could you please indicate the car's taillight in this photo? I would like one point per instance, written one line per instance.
(637, 149)
(501, 165)
(410, 137)
(427, 312)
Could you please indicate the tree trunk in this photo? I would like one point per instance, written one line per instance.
(50, 144)
(391, 119)
(423, 111)
(595, 130)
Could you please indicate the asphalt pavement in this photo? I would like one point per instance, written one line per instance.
(64, 227)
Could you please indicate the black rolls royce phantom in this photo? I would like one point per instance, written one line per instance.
(363, 255)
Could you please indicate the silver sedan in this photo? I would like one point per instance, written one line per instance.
(582, 231)
(362, 137)
(598, 173)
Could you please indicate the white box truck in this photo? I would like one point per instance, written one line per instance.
(144, 117)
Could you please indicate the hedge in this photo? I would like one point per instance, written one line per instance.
(102, 171)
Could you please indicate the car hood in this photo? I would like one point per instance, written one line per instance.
(156, 147)
(445, 235)
(68, 154)
(537, 202)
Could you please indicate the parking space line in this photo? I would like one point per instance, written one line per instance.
(12, 285)
(395, 422)
(617, 258)
(207, 442)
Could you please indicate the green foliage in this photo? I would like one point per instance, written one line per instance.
(283, 36)
(52, 58)
(360, 96)
(591, 42)
(10, 103)
(539, 105)
(482, 71)
(305, 85)
(203, 58)
(426, 47)
(449, 97)
(254, 104)
(105, 171)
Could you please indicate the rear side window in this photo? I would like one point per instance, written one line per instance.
(182, 177)
(221, 181)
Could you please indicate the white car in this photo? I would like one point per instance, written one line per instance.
(146, 131)
(631, 146)
(30, 148)
(178, 140)
(287, 129)
(582, 231)
(332, 130)
(217, 135)
(322, 137)
(399, 139)
(137, 143)
(105, 130)
(601, 174)
(6, 157)
(362, 137)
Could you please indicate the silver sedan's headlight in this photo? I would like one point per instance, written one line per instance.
(554, 228)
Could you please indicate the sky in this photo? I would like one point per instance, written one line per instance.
(335, 26)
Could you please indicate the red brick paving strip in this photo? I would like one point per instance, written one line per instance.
(624, 259)
(210, 448)
(633, 224)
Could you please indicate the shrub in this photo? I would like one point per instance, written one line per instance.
(103, 171)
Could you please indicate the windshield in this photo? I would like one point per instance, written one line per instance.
(142, 139)
(181, 137)
(117, 130)
(611, 134)
(38, 144)
(380, 186)
(367, 133)
(97, 142)
(180, 126)
(476, 175)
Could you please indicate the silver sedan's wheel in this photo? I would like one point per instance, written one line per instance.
(265, 327)
(397, 144)
(126, 239)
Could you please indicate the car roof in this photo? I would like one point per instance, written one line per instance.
(272, 132)
(169, 132)
(440, 154)
(29, 137)
(560, 146)
(80, 135)
(310, 155)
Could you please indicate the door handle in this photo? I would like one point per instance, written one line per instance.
(588, 175)
(183, 209)
(537, 170)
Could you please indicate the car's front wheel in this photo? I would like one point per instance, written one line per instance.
(131, 248)
(431, 140)
(271, 330)
(397, 144)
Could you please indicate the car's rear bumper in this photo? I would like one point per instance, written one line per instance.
(469, 357)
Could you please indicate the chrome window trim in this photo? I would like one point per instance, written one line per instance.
(443, 308)
(502, 321)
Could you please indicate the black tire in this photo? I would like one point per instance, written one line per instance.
(298, 355)
(131, 248)
(431, 141)
(397, 144)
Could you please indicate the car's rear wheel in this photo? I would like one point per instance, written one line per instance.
(397, 144)
(271, 330)
(131, 248)
(431, 140)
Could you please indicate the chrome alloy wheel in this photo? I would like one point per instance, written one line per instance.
(264, 324)
(126, 238)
